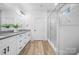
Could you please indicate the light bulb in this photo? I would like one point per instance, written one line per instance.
(55, 4)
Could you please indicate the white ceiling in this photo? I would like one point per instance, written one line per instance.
(28, 7)
(38, 6)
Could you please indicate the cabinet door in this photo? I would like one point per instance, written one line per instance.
(22, 40)
(19, 41)
(15, 44)
(26, 38)
(3, 45)
(12, 45)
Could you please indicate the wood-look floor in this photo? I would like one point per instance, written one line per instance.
(37, 47)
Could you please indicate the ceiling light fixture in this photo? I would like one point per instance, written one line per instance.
(55, 4)
(20, 12)
(67, 11)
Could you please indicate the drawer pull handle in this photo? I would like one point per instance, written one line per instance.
(8, 49)
(4, 51)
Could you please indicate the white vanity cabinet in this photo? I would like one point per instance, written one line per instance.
(14, 44)
(22, 40)
(27, 38)
(8, 46)
(4, 44)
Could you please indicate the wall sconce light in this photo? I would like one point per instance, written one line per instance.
(67, 11)
(20, 12)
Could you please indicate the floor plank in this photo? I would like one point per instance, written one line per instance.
(38, 47)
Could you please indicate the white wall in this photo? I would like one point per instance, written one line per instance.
(34, 20)
(11, 17)
(39, 26)
(68, 35)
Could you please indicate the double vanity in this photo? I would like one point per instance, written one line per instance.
(11, 43)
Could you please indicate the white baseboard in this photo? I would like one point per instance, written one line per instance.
(52, 45)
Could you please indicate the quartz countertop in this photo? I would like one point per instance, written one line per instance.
(4, 35)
